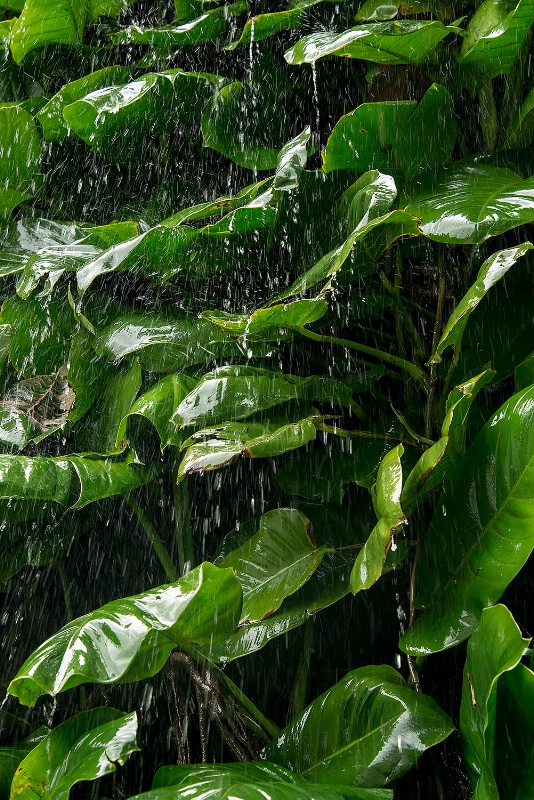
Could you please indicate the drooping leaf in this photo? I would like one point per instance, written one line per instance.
(51, 115)
(20, 156)
(291, 161)
(275, 562)
(491, 271)
(468, 204)
(360, 732)
(105, 478)
(288, 315)
(524, 373)
(481, 533)
(215, 447)
(495, 648)
(370, 562)
(399, 42)
(47, 22)
(139, 110)
(387, 136)
(85, 747)
(131, 639)
(439, 461)
(521, 132)
(263, 26)
(370, 197)
(35, 479)
(248, 782)
(493, 39)
(514, 746)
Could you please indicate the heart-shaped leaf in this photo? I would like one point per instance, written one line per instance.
(481, 533)
(360, 732)
(131, 639)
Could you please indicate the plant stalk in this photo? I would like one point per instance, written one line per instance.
(298, 695)
(180, 495)
(153, 537)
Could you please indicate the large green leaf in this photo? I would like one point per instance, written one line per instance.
(399, 42)
(20, 156)
(51, 115)
(387, 136)
(481, 533)
(114, 120)
(361, 731)
(83, 748)
(468, 204)
(275, 562)
(287, 315)
(491, 271)
(514, 747)
(47, 22)
(215, 447)
(248, 782)
(494, 37)
(495, 648)
(131, 639)
(235, 392)
(370, 562)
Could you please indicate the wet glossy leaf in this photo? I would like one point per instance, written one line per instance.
(263, 26)
(131, 639)
(106, 478)
(288, 315)
(491, 271)
(399, 42)
(439, 461)
(524, 373)
(481, 533)
(215, 447)
(351, 734)
(514, 746)
(468, 204)
(45, 22)
(138, 111)
(205, 28)
(159, 404)
(51, 115)
(45, 400)
(495, 648)
(379, 11)
(275, 562)
(248, 782)
(20, 156)
(369, 564)
(83, 748)
(236, 392)
(387, 136)
(291, 162)
(494, 37)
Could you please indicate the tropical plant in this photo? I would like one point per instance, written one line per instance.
(267, 399)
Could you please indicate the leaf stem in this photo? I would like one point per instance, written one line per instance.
(180, 494)
(408, 367)
(435, 339)
(386, 437)
(488, 116)
(153, 537)
(65, 586)
(298, 695)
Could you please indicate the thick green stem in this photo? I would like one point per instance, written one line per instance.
(153, 537)
(298, 695)
(386, 437)
(406, 366)
(488, 116)
(65, 586)
(429, 412)
(180, 494)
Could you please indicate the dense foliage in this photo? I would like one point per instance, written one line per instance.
(267, 399)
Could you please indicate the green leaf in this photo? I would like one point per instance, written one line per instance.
(524, 373)
(324, 473)
(514, 747)
(370, 197)
(387, 136)
(47, 22)
(439, 461)
(114, 120)
(468, 204)
(481, 533)
(248, 782)
(131, 639)
(491, 271)
(399, 42)
(495, 648)
(369, 564)
(205, 28)
(35, 479)
(291, 161)
(275, 562)
(494, 37)
(51, 115)
(360, 732)
(288, 315)
(216, 447)
(235, 392)
(159, 404)
(106, 478)
(83, 748)
(521, 132)
(20, 157)
(263, 26)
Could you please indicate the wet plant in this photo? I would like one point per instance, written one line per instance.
(266, 399)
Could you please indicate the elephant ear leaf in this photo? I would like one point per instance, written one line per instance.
(482, 531)
(360, 732)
